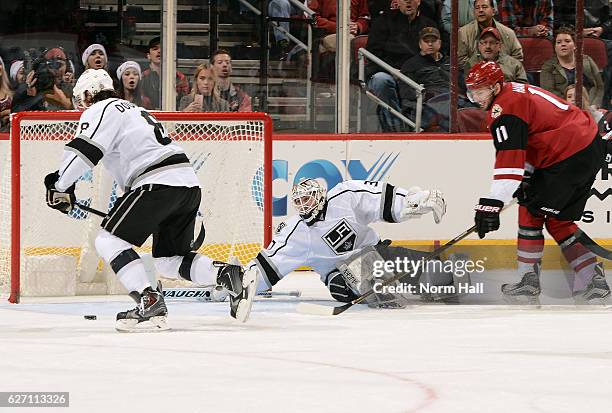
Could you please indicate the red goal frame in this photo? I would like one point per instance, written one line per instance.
(15, 150)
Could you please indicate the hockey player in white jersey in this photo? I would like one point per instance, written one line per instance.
(161, 198)
(331, 229)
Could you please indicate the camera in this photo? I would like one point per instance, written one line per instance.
(45, 79)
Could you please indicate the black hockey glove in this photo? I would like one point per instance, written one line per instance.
(62, 201)
(487, 215)
(522, 193)
(336, 284)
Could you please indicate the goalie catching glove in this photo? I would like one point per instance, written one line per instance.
(62, 201)
(421, 202)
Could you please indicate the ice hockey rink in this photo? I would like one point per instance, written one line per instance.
(425, 358)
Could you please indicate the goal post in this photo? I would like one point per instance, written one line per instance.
(43, 252)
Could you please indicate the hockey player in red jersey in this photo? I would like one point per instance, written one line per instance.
(548, 153)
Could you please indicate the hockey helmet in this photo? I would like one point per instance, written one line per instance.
(90, 82)
(308, 197)
(481, 81)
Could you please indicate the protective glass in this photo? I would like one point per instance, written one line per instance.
(480, 95)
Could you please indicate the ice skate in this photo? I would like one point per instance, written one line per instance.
(241, 287)
(149, 315)
(526, 291)
(597, 289)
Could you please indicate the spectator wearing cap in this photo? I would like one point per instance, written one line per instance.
(151, 77)
(58, 97)
(95, 57)
(490, 50)
(469, 35)
(6, 98)
(533, 18)
(17, 74)
(238, 99)
(394, 38)
(430, 68)
(129, 75)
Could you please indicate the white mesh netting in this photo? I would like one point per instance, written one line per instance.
(57, 255)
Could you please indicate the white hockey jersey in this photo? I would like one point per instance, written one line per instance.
(132, 145)
(342, 231)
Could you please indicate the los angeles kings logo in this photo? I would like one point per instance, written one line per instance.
(341, 238)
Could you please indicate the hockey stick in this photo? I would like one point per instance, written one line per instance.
(317, 309)
(592, 246)
(89, 209)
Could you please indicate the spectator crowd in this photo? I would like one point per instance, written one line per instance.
(408, 35)
(44, 80)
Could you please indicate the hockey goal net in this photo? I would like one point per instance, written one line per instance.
(45, 253)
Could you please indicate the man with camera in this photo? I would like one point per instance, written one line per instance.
(48, 84)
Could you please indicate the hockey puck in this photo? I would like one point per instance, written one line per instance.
(90, 317)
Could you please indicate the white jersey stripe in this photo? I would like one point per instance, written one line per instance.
(131, 205)
(508, 171)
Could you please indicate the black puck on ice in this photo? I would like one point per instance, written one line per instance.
(90, 317)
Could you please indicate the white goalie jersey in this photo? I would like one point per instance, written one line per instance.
(132, 145)
(342, 231)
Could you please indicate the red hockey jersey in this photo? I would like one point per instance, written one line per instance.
(532, 128)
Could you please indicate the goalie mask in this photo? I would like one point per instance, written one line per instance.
(88, 85)
(308, 197)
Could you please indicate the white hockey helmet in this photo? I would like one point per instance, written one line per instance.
(308, 197)
(90, 83)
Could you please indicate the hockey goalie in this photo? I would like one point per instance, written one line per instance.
(331, 234)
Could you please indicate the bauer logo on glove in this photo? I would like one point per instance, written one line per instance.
(62, 201)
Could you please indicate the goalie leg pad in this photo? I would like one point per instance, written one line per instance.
(363, 271)
(338, 288)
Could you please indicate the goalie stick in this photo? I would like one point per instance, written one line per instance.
(317, 309)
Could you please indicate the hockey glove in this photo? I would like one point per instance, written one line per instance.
(338, 288)
(487, 215)
(62, 201)
(421, 202)
(523, 191)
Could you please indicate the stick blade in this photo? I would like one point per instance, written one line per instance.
(318, 309)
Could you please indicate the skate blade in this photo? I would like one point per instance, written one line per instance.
(249, 282)
(154, 324)
(521, 299)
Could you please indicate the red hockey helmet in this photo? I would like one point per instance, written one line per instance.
(484, 74)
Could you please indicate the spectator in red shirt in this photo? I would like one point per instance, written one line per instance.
(326, 20)
(528, 18)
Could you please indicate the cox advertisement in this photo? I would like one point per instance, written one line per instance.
(462, 169)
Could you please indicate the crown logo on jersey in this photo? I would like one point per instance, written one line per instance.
(496, 111)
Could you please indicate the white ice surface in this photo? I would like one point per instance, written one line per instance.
(433, 358)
